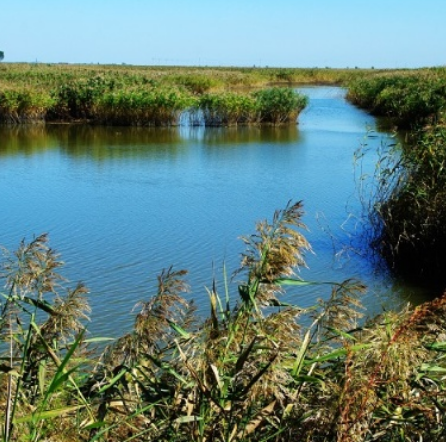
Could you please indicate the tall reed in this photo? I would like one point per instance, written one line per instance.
(268, 106)
(408, 211)
(410, 99)
(149, 107)
(24, 105)
(260, 367)
(73, 93)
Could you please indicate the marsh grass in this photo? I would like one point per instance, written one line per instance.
(38, 325)
(256, 369)
(410, 209)
(149, 107)
(279, 105)
(148, 95)
(407, 210)
(411, 99)
(229, 108)
(275, 106)
(23, 105)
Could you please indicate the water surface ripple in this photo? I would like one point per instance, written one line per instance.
(120, 204)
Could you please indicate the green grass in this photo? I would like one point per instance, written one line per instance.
(138, 95)
(257, 368)
(408, 211)
(274, 106)
(410, 99)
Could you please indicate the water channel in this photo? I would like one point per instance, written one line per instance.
(121, 204)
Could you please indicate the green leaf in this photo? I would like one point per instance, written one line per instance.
(40, 304)
(310, 380)
(114, 380)
(432, 368)
(48, 414)
(341, 333)
(41, 377)
(179, 329)
(337, 353)
(440, 346)
(95, 425)
(99, 339)
(298, 363)
(300, 282)
(61, 375)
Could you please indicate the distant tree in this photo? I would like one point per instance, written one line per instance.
(2, 55)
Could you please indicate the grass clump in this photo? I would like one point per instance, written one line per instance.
(24, 105)
(225, 109)
(279, 105)
(408, 212)
(274, 106)
(75, 100)
(410, 99)
(259, 368)
(410, 208)
(43, 333)
(149, 107)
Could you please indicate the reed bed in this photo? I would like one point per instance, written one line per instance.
(410, 99)
(137, 95)
(408, 214)
(274, 106)
(24, 105)
(149, 107)
(260, 367)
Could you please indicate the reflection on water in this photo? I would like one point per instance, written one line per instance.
(25, 139)
(120, 204)
(113, 142)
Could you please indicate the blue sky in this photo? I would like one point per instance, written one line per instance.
(285, 33)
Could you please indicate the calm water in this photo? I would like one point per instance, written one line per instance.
(120, 204)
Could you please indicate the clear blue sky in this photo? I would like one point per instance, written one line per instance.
(286, 33)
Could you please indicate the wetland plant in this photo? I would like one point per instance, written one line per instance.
(279, 105)
(24, 105)
(260, 367)
(409, 209)
(410, 99)
(274, 106)
(147, 107)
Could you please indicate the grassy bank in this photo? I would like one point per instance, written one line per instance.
(410, 99)
(258, 368)
(408, 214)
(132, 95)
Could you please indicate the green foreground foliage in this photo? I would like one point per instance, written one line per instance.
(409, 213)
(256, 369)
